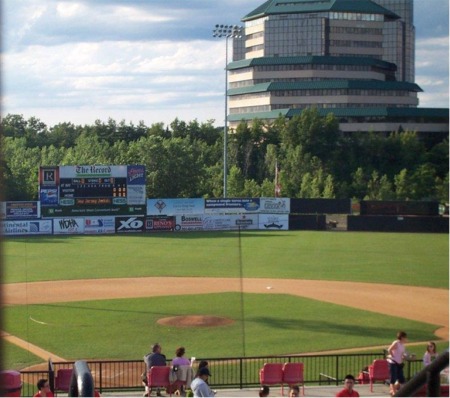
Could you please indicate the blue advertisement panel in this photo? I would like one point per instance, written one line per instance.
(136, 185)
(17, 210)
(232, 205)
(99, 225)
(274, 222)
(37, 227)
(175, 207)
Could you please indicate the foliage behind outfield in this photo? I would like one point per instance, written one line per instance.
(402, 258)
(274, 324)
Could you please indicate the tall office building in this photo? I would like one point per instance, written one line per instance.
(354, 58)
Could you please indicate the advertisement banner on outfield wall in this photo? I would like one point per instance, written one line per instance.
(230, 222)
(99, 225)
(35, 227)
(160, 223)
(232, 205)
(274, 222)
(20, 210)
(174, 207)
(275, 205)
(129, 224)
(190, 222)
(216, 222)
(69, 225)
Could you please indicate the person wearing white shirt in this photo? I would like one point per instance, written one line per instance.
(199, 385)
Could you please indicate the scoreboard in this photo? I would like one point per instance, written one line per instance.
(92, 190)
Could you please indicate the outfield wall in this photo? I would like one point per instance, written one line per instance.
(226, 214)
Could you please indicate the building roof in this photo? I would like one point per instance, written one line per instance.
(274, 7)
(326, 85)
(312, 59)
(430, 113)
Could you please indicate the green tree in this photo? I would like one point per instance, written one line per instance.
(402, 185)
(235, 183)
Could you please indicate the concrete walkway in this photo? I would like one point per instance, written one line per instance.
(379, 390)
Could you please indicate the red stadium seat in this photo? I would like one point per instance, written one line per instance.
(378, 371)
(271, 374)
(159, 376)
(62, 380)
(293, 375)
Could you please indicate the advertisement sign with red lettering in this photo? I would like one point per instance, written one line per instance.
(160, 223)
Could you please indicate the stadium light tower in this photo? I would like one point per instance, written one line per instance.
(227, 31)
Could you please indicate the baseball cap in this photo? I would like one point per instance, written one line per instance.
(204, 371)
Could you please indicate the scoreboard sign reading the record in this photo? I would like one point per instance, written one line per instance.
(92, 190)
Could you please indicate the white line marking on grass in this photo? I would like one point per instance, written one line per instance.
(34, 320)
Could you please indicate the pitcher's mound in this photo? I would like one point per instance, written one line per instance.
(193, 321)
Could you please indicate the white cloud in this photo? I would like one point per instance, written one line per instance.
(70, 9)
(153, 60)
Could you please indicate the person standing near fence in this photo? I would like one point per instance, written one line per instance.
(396, 356)
(430, 354)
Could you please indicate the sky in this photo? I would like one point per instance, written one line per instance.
(80, 61)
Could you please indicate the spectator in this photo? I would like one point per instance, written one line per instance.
(348, 391)
(430, 354)
(199, 385)
(396, 356)
(179, 359)
(183, 369)
(264, 391)
(155, 358)
(44, 389)
(294, 391)
(202, 364)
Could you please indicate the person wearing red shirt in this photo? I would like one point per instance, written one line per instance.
(348, 390)
(44, 389)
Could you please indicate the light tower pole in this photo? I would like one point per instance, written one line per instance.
(227, 31)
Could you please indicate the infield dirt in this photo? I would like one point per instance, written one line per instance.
(422, 304)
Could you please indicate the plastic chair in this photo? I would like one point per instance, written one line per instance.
(293, 375)
(10, 383)
(378, 371)
(271, 374)
(159, 376)
(62, 380)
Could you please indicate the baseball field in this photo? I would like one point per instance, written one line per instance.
(221, 294)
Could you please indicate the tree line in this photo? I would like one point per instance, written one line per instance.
(308, 155)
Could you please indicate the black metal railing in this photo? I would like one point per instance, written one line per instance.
(118, 375)
(428, 378)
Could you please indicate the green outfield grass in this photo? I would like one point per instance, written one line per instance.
(17, 358)
(274, 324)
(406, 259)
